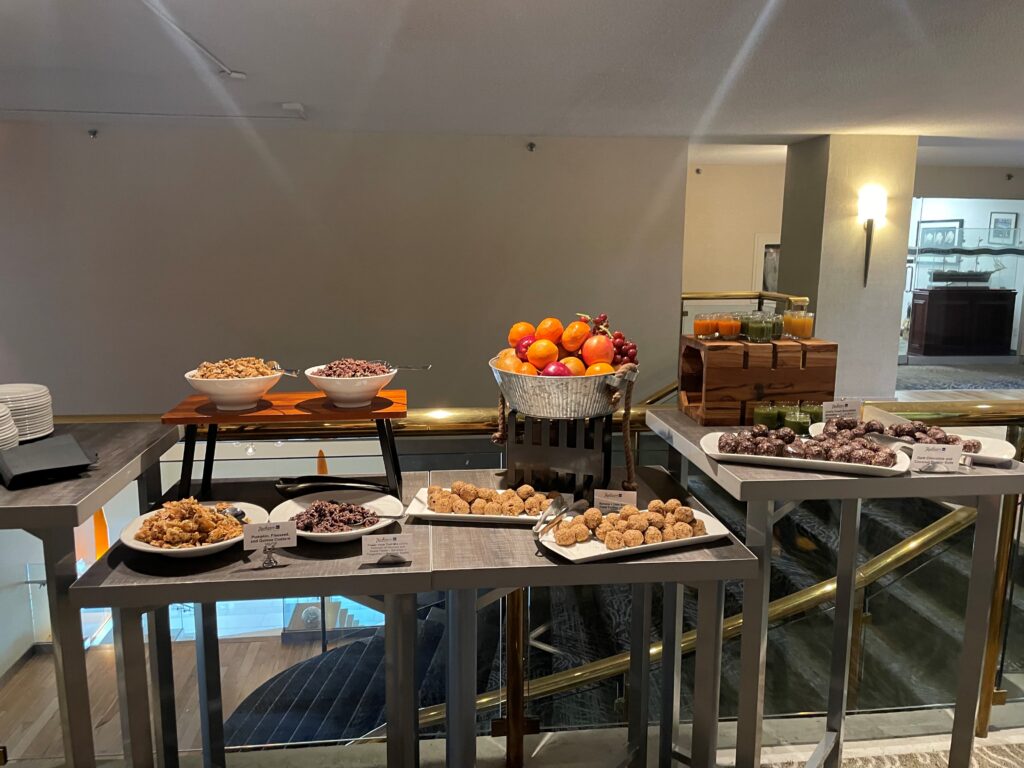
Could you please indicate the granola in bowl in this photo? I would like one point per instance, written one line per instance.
(187, 523)
(237, 368)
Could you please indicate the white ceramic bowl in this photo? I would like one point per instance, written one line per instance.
(388, 508)
(354, 392)
(233, 394)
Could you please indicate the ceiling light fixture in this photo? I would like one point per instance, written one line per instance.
(871, 203)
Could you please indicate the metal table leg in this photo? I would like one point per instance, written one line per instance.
(754, 640)
(979, 602)
(161, 665)
(132, 693)
(639, 674)
(708, 680)
(671, 635)
(211, 707)
(460, 715)
(188, 458)
(401, 700)
(389, 452)
(206, 487)
(68, 648)
(830, 751)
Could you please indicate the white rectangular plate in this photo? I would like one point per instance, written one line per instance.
(993, 451)
(709, 444)
(418, 509)
(593, 550)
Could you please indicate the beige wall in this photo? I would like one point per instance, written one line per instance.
(129, 258)
(728, 207)
(969, 181)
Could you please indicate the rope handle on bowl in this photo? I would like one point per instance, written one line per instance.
(501, 436)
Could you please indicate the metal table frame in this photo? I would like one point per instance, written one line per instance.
(761, 488)
(707, 577)
(50, 513)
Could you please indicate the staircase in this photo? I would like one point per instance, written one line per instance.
(913, 632)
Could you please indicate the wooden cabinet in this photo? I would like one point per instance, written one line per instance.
(961, 321)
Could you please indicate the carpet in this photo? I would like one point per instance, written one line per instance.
(960, 377)
(1005, 756)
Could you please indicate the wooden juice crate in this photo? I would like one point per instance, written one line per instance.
(721, 381)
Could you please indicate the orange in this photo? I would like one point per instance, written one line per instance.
(550, 329)
(542, 352)
(526, 369)
(598, 349)
(518, 331)
(507, 352)
(506, 363)
(575, 334)
(575, 365)
(600, 369)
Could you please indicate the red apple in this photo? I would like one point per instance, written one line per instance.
(556, 369)
(523, 345)
(598, 349)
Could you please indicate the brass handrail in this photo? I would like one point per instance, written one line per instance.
(792, 302)
(785, 607)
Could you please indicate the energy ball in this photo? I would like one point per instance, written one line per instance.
(657, 505)
(525, 491)
(612, 518)
(786, 435)
(603, 530)
(953, 440)
(668, 533)
(858, 432)
(699, 529)
(652, 536)
(861, 456)
(592, 518)
(443, 504)
(766, 448)
(460, 506)
(830, 430)
(814, 451)
(794, 451)
(746, 447)
(478, 507)
(581, 532)
(468, 493)
(457, 486)
(759, 430)
(621, 525)
(971, 446)
(904, 429)
(682, 530)
(637, 523)
(925, 440)
(670, 519)
(656, 519)
(937, 433)
(873, 426)
(541, 499)
(492, 508)
(847, 422)
(728, 443)
(512, 507)
(632, 538)
(684, 515)
(433, 489)
(628, 511)
(565, 537)
(840, 453)
(614, 540)
(532, 506)
(773, 434)
(845, 435)
(672, 505)
(884, 459)
(745, 434)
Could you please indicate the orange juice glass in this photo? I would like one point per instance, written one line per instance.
(705, 326)
(728, 326)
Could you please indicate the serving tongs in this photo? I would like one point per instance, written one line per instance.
(553, 515)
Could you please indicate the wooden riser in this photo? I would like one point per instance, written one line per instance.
(721, 381)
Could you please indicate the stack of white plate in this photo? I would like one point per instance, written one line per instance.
(8, 429)
(31, 407)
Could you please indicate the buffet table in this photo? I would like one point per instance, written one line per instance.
(765, 490)
(468, 557)
(51, 513)
(133, 583)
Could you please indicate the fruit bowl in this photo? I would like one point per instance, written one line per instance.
(561, 397)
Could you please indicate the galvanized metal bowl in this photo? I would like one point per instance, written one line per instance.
(561, 397)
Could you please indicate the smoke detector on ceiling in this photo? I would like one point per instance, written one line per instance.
(295, 107)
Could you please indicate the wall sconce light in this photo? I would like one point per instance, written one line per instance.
(871, 202)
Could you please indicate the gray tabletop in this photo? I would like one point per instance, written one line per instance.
(124, 450)
(467, 555)
(125, 578)
(746, 482)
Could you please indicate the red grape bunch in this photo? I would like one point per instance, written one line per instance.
(625, 350)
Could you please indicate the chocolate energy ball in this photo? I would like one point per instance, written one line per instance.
(745, 434)
(765, 448)
(846, 423)
(861, 456)
(846, 435)
(821, 437)
(773, 434)
(745, 447)
(778, 445)
(873, 426)
(971, 446)
(794, 451)
(858, 431)
(884, 458)
(728, 443)
(937, 433)
(830, 430)
(786, 435)
(759, 430)
(840, 453)
(904, 430)
(953, 440)
(813, 450)
(925, 440)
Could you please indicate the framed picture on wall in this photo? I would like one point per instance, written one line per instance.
(941, 233)
(1002, 228)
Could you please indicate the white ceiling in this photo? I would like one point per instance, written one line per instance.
(761, 71)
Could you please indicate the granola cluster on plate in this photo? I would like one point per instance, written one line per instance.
(237, 368)
(467, 499)
(187, 523)
(631, 527)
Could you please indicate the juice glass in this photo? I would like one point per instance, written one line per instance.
(798, 421)
(759, 327)
(776, 327)
(705, 326)
(728, 326)
(767, 414)
(814, 410)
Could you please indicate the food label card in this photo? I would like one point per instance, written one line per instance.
(278, 535)
(612, 501)
(938, 459)
(841, 409)
(390, 548)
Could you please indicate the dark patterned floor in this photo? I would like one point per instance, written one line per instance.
(960, 377)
